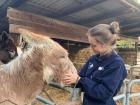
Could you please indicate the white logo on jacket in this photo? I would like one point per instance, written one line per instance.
(90, 66)
(100, 68)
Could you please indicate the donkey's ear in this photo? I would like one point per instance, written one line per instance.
(0, 37)
(4, 35)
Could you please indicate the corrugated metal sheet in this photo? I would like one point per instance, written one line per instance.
(84, 12)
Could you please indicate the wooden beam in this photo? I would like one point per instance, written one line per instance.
(47, 26)
(15, 29)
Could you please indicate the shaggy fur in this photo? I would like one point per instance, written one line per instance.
(22, 78)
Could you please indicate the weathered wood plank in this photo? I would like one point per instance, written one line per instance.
(14, 29)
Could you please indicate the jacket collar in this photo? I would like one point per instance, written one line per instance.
(104, 57)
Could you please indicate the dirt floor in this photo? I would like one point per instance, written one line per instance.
(60, 96)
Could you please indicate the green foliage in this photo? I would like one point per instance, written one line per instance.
(125, 44)
(137, 1)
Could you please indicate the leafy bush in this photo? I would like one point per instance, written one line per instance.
(125, 44)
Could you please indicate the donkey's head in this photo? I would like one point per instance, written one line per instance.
(8, 49)
(56, 62)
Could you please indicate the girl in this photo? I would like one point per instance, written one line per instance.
(103, 74)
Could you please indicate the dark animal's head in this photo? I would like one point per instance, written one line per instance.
(8, 50)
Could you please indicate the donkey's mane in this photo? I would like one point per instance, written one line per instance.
(23, 61)
(38, 43)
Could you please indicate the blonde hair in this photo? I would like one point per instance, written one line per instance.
(104, 33)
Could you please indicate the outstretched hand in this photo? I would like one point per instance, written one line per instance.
(70, 78)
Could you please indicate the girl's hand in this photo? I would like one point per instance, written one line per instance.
(70, 78)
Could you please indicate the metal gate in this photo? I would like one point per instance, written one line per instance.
(125, 96)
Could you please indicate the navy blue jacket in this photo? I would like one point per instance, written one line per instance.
(101, 79)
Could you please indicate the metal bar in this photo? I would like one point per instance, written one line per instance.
(123, 95)
(129, 95)
(43, 100)
(118, 97)
(50, 98)
(135, 29)
(109, 14)
(124, 91)
(130, 26)
(56, 85)
(130, 18)
(135, 34)
(134, 95)
(130, 5)
(114, 13)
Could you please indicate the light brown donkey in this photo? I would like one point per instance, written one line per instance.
(23, 78)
